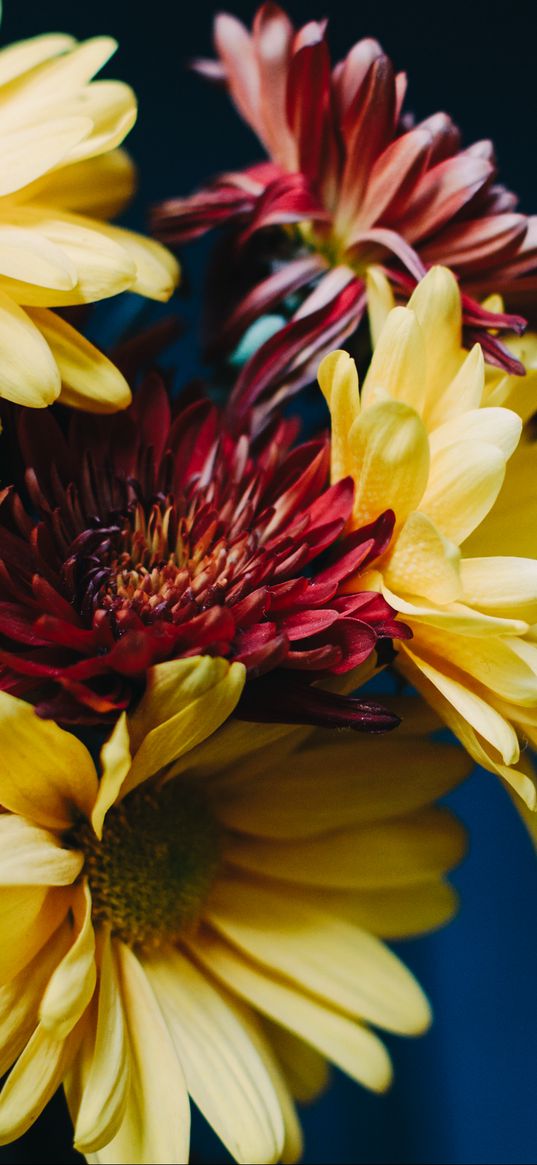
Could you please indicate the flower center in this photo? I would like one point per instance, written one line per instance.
(153, 869)
(162, 566)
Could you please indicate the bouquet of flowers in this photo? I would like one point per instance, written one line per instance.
(238, 614)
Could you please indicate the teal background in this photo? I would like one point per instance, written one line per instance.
(467, 1091)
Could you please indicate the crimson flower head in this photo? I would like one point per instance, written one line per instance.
(351, 186)
(144, 538)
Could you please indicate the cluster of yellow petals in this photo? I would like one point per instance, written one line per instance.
(286, 968)
(430, 437)
(61, 177)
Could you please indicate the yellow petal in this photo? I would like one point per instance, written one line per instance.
(111, 105)
(20, 998)
(437, 305)
(18, 58)
(486, 753)
(99, 187)
(156, 1125)
(338, 380)
(59, 78)
(33, 1081)
(293, 1140)
(423, 562)
(402, 912)
(454, 618)
(501, 586)
(115, 764)
(251, 765)
(103, 265)
(529, 816)
(504, 665)
(380, 301)
(30, 856)
(28, 917)
(471, 707)
(30, 151)
(499, 427)
(398, 363)
(346, 1043)
(330, 958)
(156, 270)
(463, 393)
(29, 374)
(518, 392)
(225, 1076)
(399, 852)
(390, 457)
(517, 496)
(383, 781)
(526, 650)
(238, 740)
(89, 380)
(186, 701)
(306, 1070)
(24, 255)
(71, 986)
(464, 483)
(47, 775)
(105, 1083)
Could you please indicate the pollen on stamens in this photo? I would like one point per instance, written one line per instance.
(150, 874)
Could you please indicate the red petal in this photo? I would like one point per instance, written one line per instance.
(289, 199)
(179, 220)
(367, 128)
(309, 106)
(65, 634)
(273, 37)
(51, 602)
(475, 244)
(20, 625)
(192, 440)
(302, 624)
(393, 177)
(305, 338)
(269, 292)
(441, 194)
(283, 699)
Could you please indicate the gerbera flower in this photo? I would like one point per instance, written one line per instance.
(153, 921)
(61, 175)
(150, 539)
(426, 429)
(365, 189)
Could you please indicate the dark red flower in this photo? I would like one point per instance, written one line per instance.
(146, 537)
(351, 185)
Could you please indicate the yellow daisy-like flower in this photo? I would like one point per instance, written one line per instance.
(207, 918)
(60, 174)
(425, 438)
(518, 494)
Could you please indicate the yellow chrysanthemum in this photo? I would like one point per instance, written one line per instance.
(425, 438)
(59, 164)
(518, 494)
(207, 918)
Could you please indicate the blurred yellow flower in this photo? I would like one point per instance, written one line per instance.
(60, 174)
(426, 437)
(207, 919)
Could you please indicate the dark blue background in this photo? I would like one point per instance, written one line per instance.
(467, 1091)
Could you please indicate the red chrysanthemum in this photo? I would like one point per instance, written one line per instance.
(353, 187)
(146, 538)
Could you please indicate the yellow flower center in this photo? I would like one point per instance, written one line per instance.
(151, 873)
